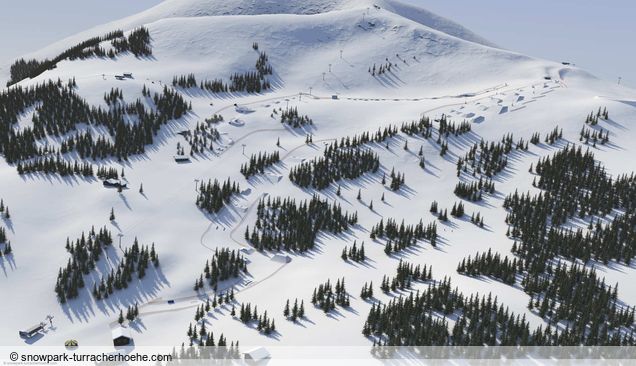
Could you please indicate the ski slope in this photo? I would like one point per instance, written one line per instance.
(441, 68)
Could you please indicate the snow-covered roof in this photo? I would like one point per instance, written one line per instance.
(120, 332)
(258, 353)
(281, 258)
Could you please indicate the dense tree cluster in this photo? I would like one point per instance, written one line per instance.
(286, 225)
(249, 314)
(215, 118)
(420, 319)
(574, 185)
(213, 196)
(486, 158)
(114, 96)
(107, 173)
(136, 260)
(473, 191)
(223, 265)
(577, 295)
(58, 111)
(249, 82)
(354, 252)
(85, 253)
(202, 138)
(258, 163)
(446, 128)
(422, 127)
(492, 265)
(290, 117)
(407, 273)
(399, 237)
(57, 165)
(185, 81)
(138, 43)
(326, 296)
(335, 164)
(294, 312)
(207, 350)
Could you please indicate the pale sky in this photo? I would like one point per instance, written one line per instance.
(596, 35)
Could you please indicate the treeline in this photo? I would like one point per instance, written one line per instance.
(286, 225)
(258, 163)
(327, 297)
(403, 236)
(138, 43)
(335, 164)
(223, 265)
(250, 81)
(57, 165)
(214, 195)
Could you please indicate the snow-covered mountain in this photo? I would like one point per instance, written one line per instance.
(325, 57)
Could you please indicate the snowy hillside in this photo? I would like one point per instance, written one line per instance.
(205, 95)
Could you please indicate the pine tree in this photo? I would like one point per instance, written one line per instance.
(112, 214)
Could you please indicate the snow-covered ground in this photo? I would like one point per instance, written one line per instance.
(441, 69)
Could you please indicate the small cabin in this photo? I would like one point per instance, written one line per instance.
(32, 331)
(181, 158)
(121, 337)
(280, 258)
(257, 354)
(247, 250)
(114, 183)
(334, 96)
(128, 75)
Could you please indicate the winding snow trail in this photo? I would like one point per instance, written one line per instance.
(195, 300)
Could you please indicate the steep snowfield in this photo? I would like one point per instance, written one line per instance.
(453, 73)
